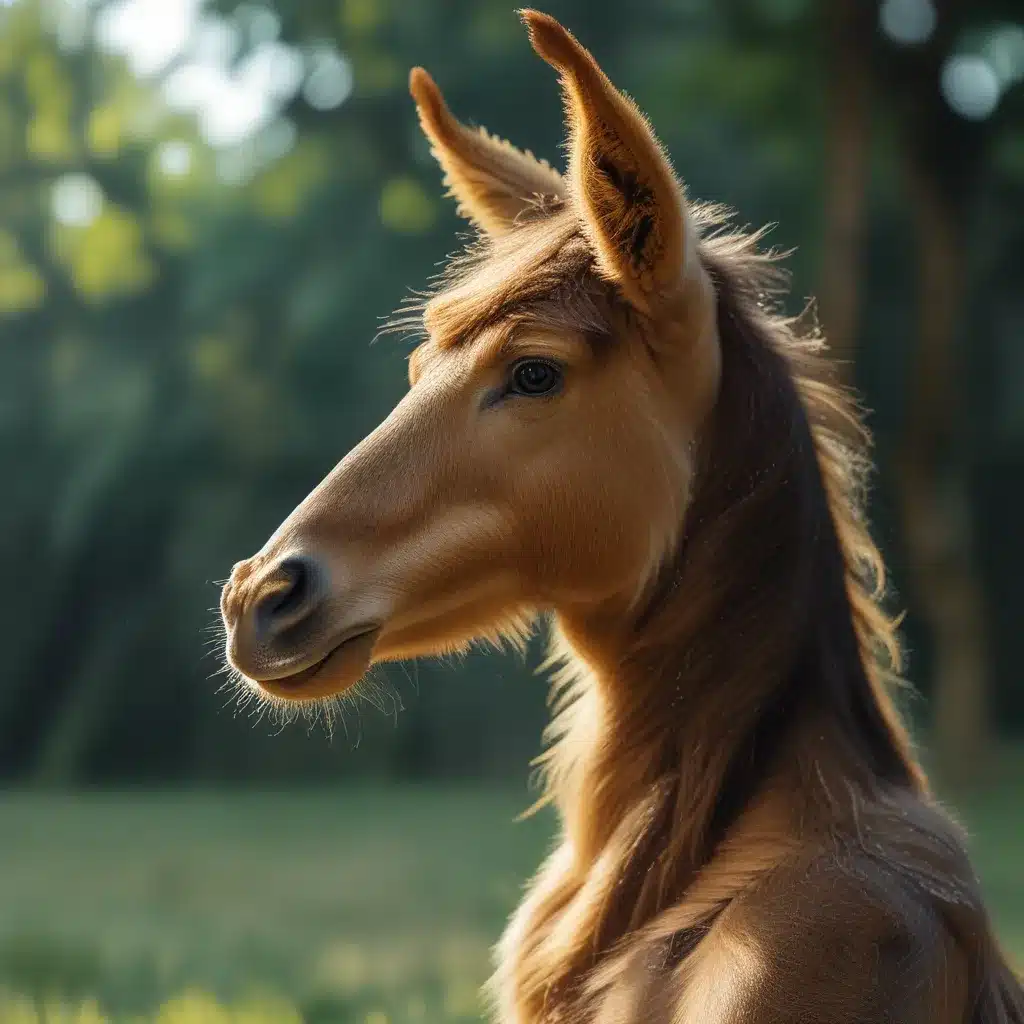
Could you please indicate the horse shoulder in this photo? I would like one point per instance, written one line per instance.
(835, 941)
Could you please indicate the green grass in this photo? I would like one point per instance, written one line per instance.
(367, 906)
(351, 904)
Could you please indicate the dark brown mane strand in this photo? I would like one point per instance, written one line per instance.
(775, 550)
(780, 502)
(767, 612)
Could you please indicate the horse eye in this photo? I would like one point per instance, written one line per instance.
(534, 377)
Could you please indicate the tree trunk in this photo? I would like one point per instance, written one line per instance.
(847, 146)
(933, 489)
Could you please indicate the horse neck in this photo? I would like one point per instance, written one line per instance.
(745, 667)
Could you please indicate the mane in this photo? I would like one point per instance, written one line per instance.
(768, 614)
(787, 441)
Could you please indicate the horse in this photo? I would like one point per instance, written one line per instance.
(611, 424)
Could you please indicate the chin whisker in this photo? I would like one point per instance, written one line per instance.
(377, 690)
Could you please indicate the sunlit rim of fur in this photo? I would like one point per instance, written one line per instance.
(511, 636)
(836, 416)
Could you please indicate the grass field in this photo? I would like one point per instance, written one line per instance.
(355, 906)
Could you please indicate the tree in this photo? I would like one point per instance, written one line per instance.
(943, 154)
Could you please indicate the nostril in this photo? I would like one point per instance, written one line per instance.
(299, 584)
(294, 600)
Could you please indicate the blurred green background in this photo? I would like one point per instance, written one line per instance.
(206, 211)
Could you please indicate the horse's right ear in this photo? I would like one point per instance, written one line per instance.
(491, 180)
(631, 205)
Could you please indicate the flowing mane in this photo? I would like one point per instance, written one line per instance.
(769, 606)
(775, 546)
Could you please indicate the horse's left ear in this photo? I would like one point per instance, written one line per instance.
(491, 180)
(629, 199)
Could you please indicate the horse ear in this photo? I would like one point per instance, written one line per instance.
(491, 180)
(620, 179)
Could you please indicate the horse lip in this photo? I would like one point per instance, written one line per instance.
(355, 633)
(304, 674)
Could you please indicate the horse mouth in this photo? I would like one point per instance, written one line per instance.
(337, 671)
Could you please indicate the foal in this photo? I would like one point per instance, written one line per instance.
(609, 424)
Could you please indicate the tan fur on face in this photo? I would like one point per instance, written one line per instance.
(556, 520)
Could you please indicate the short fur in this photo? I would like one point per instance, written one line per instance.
(746, 835)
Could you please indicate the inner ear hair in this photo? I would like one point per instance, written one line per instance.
(632, 206)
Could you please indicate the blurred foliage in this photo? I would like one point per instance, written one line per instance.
(185, 326)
